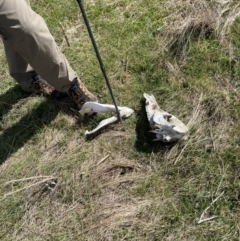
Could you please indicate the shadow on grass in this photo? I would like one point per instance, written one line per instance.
(11, 97)
(14, 137)
(144, 139)
(17, 135)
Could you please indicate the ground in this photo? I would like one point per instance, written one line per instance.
(120, 185)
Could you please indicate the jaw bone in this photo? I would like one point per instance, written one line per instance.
(167, 127)
(93, 107)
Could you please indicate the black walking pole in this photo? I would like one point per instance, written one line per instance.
(98, 54)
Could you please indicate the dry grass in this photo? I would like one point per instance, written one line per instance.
(195, 19)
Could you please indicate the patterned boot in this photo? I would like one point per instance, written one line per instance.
(80, 94)
(40, 86)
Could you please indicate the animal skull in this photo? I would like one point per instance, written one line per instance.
(167, 127)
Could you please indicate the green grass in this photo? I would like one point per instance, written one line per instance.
(120, 185)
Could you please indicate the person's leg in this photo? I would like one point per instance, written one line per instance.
(27, 78)
(19, 69)
(24, 74)
(26, 33)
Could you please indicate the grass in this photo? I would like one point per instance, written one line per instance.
(120, 185)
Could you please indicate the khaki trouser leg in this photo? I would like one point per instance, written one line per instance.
(30, 47)
(19, 69)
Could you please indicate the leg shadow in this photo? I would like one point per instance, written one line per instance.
(17, 135)
(11, 97)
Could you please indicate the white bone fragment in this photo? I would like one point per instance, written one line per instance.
(167, 127)
(93, 107)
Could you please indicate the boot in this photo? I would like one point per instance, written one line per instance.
(80, 94)
(40, 86)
